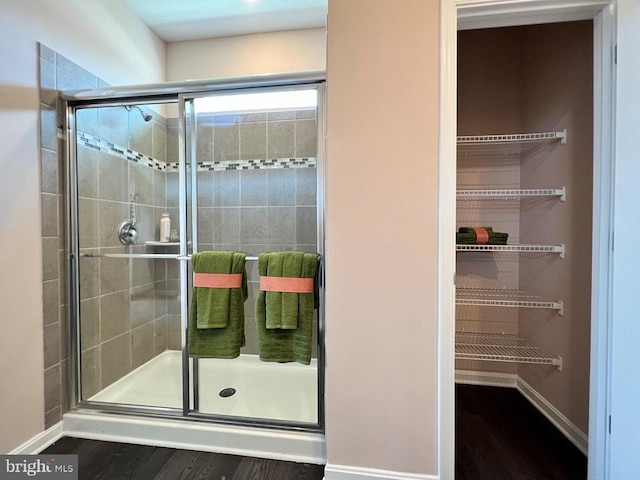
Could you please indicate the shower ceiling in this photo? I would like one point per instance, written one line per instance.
(176, 21)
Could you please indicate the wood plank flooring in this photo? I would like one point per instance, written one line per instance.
(120, 461)
(501, 436)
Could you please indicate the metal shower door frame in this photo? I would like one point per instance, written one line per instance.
(184, 93)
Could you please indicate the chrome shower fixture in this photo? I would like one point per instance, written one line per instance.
(145, 116)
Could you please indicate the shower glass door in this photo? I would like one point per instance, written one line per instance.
(253, 180)
(228, 172)
(129, 324)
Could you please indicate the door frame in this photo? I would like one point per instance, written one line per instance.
(468, 14)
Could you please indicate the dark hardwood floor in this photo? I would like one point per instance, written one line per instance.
(116, 461)
(501, 436)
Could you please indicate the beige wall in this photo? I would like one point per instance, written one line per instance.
(381, 244)
(558, 94)
(258, 54)
(103, 36)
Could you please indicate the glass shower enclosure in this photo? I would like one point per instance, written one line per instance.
(230, 166)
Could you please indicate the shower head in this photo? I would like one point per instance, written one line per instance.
(145, 116)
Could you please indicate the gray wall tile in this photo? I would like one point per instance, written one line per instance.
(114, 315)
(282, 224)
(90, 374)
(204, 143)
(115, 359)
(226, 142)
(51, 335)
(142, 345)
(113, 178)
(50, 173)
(89, 277)
(281, 186)
(142, 309)
(111, 215)
(141, 184)
(306, 231)
(253, 140)
(306, 186)
(226, 225)
(49, 212)
(89, 323)
(114, 272)
(113, 125)
(226, 188)
(280, 139)
(160, 335)
(48, 128)
(306, 138)
(205, 189)
(51, 302)
(50, 260)
(48, 92)
(52, 380)
(253, 188)
(87, 172)
(254, 225)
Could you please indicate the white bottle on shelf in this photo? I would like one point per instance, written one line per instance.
(165, 228)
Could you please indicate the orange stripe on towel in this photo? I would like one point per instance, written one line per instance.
(286, 284)
(482, 236)
(217, 280)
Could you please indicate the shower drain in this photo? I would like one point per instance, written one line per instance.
(227, 392)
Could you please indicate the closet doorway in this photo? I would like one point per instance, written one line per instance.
(533, 161)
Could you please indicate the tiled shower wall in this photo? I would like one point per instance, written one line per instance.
(257, 207)
(123, 306)
(56, 73)
(119, 304)
(260, 196)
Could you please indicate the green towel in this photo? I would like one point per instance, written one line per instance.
(216, 319)
(467, 236)
(286, 344)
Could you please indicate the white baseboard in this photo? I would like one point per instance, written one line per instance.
(302, 447)
(342, 472)
(41, 441)
(489, 379)
(562, 423)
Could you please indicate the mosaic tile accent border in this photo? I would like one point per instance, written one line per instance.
(96, 143)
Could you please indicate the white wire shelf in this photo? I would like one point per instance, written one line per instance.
(503, 297)
(509, 144)
(559, 249)
(502, 348)
(511, 194)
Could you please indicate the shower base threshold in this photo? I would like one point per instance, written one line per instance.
(242, 387)
(305, 447)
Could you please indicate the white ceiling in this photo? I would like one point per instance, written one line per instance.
(179, 20)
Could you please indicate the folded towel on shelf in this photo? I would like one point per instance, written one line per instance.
(285, 305)
(216, 318)
(480, 236)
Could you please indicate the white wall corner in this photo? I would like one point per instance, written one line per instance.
(561, 422)
(41, 441)
(343, 472)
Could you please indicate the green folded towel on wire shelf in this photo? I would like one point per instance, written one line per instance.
(216, 318)
(473, 236)
(285, 305)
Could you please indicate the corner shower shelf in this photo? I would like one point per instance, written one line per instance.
(559, 249)
(502, 297)
(502, 348)
(508, 144)
(511, 194)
